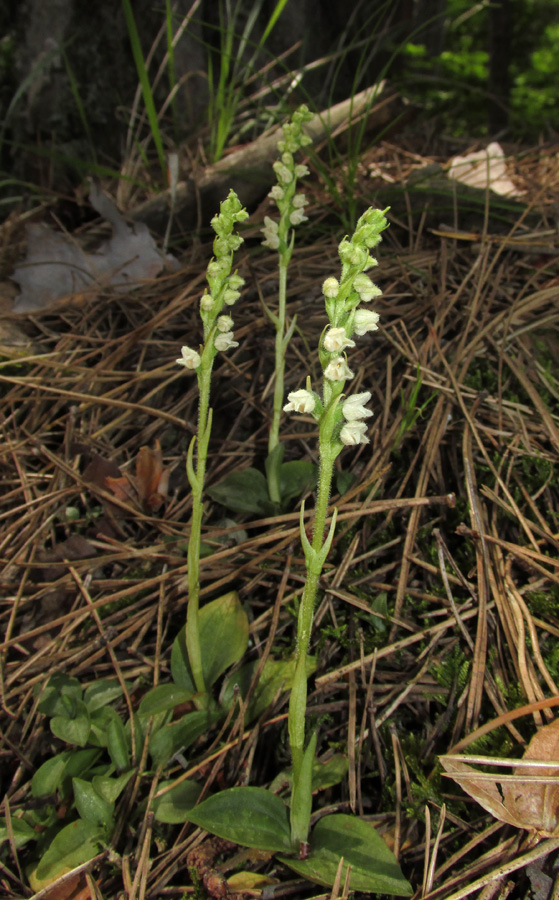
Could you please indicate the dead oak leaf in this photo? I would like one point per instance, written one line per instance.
(529, 797)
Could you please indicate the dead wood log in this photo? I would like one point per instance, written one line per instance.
(248, 170)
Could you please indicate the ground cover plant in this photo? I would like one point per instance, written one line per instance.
(435, 623)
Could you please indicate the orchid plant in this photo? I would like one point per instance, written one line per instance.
(280, 236)
(255, 817)
(224, 290)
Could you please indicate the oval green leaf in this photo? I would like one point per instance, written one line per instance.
(249, 816)
(374, 868)
(276, 676)
(163, 698)
(223, 641)
(90, 805)
(243, 492)
(72, 846)
(74, 730)
(296, 477)
(174, 806)
(102, 692)
(180, 735)
(117, 743)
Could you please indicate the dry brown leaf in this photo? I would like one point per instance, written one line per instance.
(537, 804)
(486, 793)
(152, 480)
(529, 798)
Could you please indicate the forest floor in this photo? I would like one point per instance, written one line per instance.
(437, 626)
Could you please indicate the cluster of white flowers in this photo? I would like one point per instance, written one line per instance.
(224, 289)
(347, 319)
(270, 232)
(291, 205)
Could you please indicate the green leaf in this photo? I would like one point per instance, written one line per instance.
(301, 800)
(110, 788)
(249, 816)
(344, 480)
(325, 775)
(50, 776)
(243, 492)
(59, 689)
(180, 735)
(73, 845)
(374, 868)
(22, 831)
(174, 806)
(90, 805)
(276, 676)
(74, 729)
(162, 698)
(180, 667)
(99, 720)
(100, 693)
(296, 477)
(117, 743)
(223, 641)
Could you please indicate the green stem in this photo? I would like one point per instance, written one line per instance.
(314, 563)
(193, 555)
(273, 440)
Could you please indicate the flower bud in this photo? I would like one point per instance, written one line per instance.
(235, 282)
(206, 301)
(230, 297)
(330, 288)
(224, 323)
(365, 288)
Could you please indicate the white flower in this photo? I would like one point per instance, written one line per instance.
(338, 370)
(365, 320)
(206, 301)
(297, 216)
(283, 173)
(225, 341)
(330, 288)
(189, 358)
(301, 171)
(277, 193)
(270, 232)
(235, 282)
(224, 323)
(354, 433)
(336, 339)
(365, 288)
(298, 201)
(230, 296)
(300, 401)
(353, 407)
